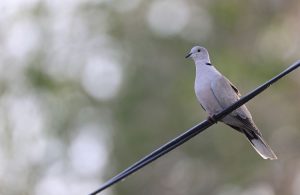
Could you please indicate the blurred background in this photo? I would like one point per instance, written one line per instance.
(87, 87)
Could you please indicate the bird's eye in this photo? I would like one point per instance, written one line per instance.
(199, 50)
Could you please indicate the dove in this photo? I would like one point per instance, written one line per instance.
(215, 93)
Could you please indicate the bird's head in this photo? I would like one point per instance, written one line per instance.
(198, 53)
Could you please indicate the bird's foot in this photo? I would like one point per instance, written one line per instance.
(212, 119)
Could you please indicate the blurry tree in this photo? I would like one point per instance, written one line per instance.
(89, 87)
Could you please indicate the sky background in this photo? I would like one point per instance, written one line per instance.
(87, 87)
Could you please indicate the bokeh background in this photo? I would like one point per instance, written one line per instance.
(87, 87)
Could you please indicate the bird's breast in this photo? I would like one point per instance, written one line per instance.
(203, 90)
(206, 97)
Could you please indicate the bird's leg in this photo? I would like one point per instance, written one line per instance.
(212, 119)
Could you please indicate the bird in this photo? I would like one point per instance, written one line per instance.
(215, 92)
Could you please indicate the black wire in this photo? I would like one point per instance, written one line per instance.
(156, 154)
(192, 132)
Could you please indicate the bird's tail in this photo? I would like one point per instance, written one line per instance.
(261, 147)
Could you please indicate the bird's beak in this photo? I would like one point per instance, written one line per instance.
(188, 55)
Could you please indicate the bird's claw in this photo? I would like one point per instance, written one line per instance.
(212, 119)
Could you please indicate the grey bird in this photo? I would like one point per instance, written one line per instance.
(215, 92)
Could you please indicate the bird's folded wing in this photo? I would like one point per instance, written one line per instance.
(233, 87)
(227, 94)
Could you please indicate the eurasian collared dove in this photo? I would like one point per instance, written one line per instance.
(215, 92)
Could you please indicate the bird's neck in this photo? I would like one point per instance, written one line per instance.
(205, 70)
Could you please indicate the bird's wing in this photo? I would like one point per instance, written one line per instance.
(233, 87)
(227, 94)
